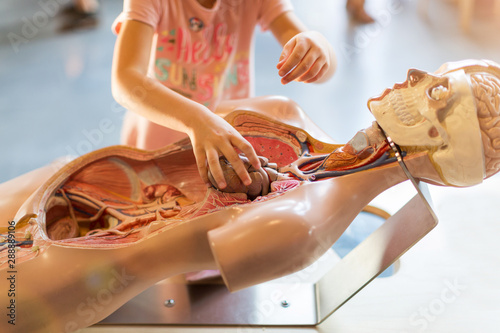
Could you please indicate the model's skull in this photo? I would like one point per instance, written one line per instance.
(438, 113)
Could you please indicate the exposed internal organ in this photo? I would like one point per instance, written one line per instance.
(101, 220)
(262, 179)
(278, 143)
(94, 213)
(311, 159)
(106, 218)
(367, 149)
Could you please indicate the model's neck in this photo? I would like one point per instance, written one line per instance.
(364, 148)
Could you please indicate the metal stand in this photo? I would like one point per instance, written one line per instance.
(288, 301)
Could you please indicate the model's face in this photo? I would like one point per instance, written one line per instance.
(437, 113)
(413, 111)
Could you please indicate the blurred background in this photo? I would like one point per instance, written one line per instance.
(55, 96)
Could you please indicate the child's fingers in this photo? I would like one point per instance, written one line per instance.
(201, 163)
(296, 52)
(304, 65)
(247, 149)
(215, 168)
(237, 164)
(305, 58)
(312, 72)
(318, 76)
(282, 59)
(287, 49)
(280, 63)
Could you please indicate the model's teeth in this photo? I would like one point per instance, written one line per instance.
(404, 107)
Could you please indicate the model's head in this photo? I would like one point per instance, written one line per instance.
(453, 113)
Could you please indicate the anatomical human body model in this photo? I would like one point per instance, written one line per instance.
(114, 222)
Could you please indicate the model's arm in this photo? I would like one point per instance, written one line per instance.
(210, 135)
(307, 56)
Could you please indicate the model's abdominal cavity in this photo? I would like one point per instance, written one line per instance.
(111, 202)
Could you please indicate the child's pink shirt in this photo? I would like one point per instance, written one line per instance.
(203, 54)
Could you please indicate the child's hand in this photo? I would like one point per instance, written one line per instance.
(213, 136)
(306, 57)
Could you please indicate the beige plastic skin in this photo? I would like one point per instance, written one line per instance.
(65, 288)
(16, 191)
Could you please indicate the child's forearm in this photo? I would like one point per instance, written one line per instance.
(143, 95)
(150, 99)
(210, 135)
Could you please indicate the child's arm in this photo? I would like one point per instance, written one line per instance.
(307, 56)
(210, 135)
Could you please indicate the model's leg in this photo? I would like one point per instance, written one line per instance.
(14, 192)
(57, 295)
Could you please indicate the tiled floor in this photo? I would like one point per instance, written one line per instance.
(55, 92)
